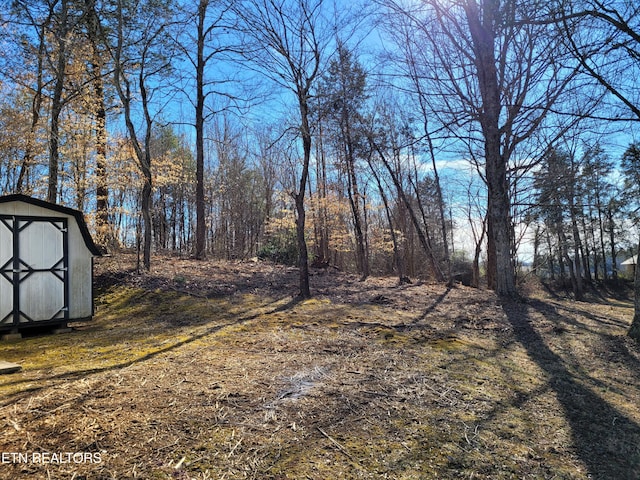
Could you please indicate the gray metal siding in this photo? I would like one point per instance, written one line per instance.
(54, 267)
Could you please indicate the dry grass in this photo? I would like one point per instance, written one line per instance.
(213, 370)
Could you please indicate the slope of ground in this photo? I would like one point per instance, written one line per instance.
(212, 370)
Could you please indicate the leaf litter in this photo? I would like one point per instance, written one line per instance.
(212, 370)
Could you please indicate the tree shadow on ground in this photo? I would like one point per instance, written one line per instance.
(274, 306)
(614, 347)
(596, 318)
(433, 306)
(605, 439)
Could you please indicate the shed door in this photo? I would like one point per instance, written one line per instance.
(34, 280)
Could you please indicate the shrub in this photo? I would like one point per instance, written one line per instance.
(281, 247)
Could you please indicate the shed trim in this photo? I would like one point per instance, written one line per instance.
(77, 214)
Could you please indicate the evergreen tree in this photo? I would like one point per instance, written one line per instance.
(341, 98)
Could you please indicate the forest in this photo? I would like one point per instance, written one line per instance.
(341, 239)
(431, 139)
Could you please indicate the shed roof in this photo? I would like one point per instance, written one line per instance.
(630, 261)
(77, 214)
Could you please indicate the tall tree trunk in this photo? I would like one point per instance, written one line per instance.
(354, 202)
(500, 268)
(577, 252)
(325, 211)
(436, 176)
(603, 251)
(402, 278)
(36, 106)
(634, 331)
(572, 264)
(103, 227)
(103, 234)
(303, 258)
(424, 241)
(612, 238)
(145, 165)
(57, 103)
(441, 208)
(561, 266)
(425, 221)
(147, 221)
(550, 263)
(354, 194)
(599, 250)
(475, 265)
(201, 228)
(586, 255)
(143, 155)
(321, 200)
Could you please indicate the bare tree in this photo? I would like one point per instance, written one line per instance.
(557, 203)
(139, 59)
(389, 152)
(419, 97)
(397, 257)
(63, 22)
(31, 52)
(204, 41)
(604, 36)
(92, 22)
(286, 40)
(493, 77)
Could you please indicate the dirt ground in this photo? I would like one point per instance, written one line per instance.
(214, 370)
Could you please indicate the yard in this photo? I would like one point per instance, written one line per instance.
(212, 370)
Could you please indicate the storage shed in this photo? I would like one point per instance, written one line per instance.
(46, 264)
(629, 265)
